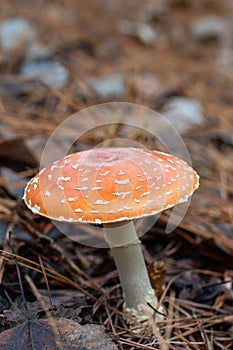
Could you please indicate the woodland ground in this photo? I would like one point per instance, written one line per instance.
(45, 274)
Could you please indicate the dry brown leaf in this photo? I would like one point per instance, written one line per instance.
(157, 273)
(55, 334)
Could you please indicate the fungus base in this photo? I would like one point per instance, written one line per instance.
(137, 290)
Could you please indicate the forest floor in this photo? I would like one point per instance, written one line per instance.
(62, 293)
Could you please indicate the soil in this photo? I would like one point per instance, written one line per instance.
(76, 278)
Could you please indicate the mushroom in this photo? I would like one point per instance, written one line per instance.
(114, 186)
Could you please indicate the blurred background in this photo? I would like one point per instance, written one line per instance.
(174, 56)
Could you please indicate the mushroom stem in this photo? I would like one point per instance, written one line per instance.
(126, 250)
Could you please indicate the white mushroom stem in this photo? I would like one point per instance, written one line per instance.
(126, 250)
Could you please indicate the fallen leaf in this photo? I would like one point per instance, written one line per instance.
(157, 273)
(55, 334)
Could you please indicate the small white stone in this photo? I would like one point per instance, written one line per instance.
(142, 31)
(50, 72)
(14, 32)
(109, 86)
(183, 113)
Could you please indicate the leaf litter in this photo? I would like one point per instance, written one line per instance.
(197, 256)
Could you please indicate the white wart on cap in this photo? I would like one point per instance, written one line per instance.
(105, 185)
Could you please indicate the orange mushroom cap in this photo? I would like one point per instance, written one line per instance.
(104, 185)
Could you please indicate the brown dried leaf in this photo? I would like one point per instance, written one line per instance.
(12, 182)
(55, 334)
(157, 273)
(14, 152)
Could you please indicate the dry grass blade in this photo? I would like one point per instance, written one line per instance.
(79, 274)
(48, 313)
(50, 273)
(46, 280)
(6, 239)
